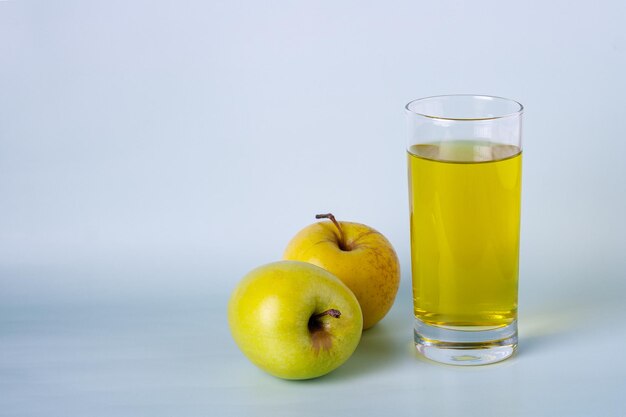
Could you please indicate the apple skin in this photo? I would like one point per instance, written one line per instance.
(269, 314)
(369, 266)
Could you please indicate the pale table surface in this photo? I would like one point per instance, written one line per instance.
(169, 353)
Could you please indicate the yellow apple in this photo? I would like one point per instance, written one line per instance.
(294, 320)
(358, 255)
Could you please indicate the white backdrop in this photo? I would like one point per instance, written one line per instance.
(151, 147)
(198, 137)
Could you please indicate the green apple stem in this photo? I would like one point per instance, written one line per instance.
(320, 337)
(330, 312)
(342, 238)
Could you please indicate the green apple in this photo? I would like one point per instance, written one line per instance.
(294, 320)
(358, 255)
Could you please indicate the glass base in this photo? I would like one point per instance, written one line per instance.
(465, 345)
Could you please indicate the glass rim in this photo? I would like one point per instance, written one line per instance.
(518, 112)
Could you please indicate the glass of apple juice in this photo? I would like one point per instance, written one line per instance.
(465, 170)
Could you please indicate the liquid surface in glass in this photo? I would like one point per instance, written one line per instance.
(465, 216)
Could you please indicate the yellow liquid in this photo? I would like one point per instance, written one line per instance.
(465, 215)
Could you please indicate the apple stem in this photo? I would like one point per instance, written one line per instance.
(320, 337)
(330, 312)
(342, 239)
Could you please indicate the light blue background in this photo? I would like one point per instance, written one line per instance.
(151, 153)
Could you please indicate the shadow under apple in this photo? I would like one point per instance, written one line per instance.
(380, 347)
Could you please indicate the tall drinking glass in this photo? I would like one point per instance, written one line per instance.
(465, 173)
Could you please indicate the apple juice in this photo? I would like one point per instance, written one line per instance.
(465, 216)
